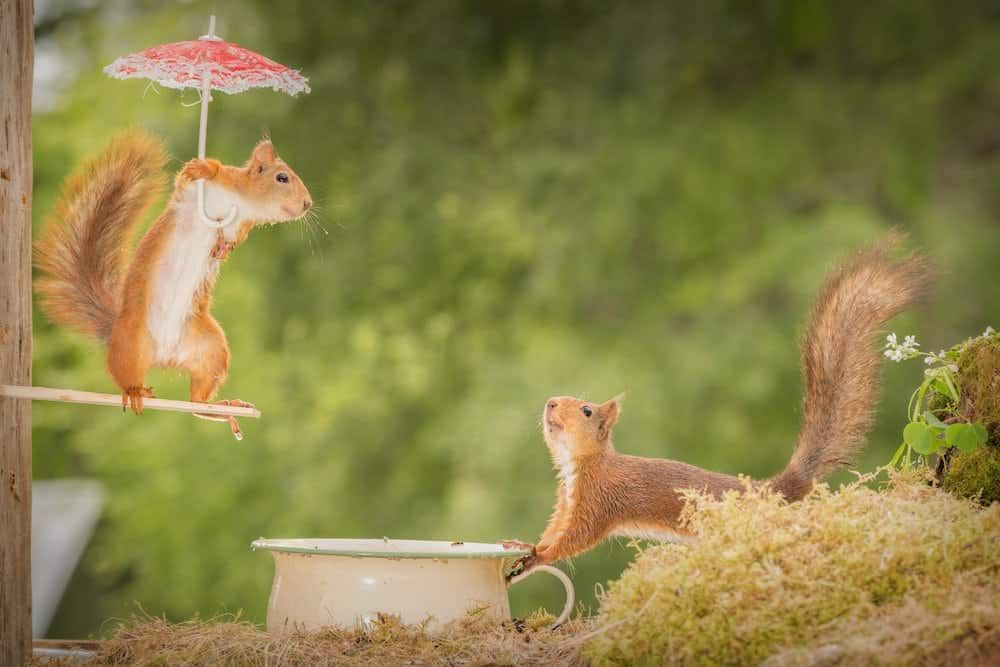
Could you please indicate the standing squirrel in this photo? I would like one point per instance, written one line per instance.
(154, 309)
(603, 493)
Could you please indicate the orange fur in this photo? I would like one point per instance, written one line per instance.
(83, 260)
(87, 287)
(603, 493)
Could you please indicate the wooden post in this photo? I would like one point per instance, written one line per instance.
(16, 65)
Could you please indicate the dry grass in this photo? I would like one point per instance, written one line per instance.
(149, 641)
(904, 575)
(907, 574)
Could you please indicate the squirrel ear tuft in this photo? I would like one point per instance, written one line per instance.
(613, 406)
(609, 411)
(264, 152)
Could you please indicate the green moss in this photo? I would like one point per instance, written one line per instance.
(854, 577)
(979, 376)
(975, 474)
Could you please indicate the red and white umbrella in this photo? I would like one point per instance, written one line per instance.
(206, 64)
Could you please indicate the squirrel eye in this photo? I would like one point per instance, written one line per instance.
(282, 177)
(587, 411)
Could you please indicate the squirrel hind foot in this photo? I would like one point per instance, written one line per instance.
(235, 403)
(132, 397)
(234, 425)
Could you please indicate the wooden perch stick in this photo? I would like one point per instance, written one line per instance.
(115, 400)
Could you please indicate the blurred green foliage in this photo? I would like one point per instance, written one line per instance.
(517, 199)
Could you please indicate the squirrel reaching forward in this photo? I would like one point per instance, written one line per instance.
(154, 309)
(603, 493)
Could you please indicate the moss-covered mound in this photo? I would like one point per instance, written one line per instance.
(979, 375)
(976, 474)
(906, 575)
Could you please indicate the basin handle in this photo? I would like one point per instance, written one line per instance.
(561, 576)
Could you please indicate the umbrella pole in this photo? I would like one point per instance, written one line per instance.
(203, 127)
(206, 94)
(206, 97)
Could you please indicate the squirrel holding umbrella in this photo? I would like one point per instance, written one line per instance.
(154, 309)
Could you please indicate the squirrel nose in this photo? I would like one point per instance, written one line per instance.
(552, 405)
(307, 204)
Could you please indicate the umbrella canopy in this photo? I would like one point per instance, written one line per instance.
(229, 67)
(208, 63)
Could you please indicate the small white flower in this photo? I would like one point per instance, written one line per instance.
(930, 359)
(898, 351)
(989, 332)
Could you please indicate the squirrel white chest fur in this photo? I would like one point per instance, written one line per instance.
(562, 457)
(186, 264)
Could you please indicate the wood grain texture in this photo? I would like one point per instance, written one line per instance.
(16, 64)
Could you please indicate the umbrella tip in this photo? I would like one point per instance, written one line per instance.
(211, 30)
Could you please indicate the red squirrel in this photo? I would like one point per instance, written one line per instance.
(155, 309)
(602, 493)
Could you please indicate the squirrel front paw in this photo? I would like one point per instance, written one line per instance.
(542, 553)
(197, 169)
(524, 563)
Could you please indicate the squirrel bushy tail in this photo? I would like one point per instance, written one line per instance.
(82, 253)
(840, 364)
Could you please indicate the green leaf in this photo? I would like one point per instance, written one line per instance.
(981, 434)
(898, 455)
(963, 436)
(918, 436)
(941, 387)
(921, 392)
(932, 420)
(953, 391)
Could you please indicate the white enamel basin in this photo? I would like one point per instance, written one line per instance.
(319, 582)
